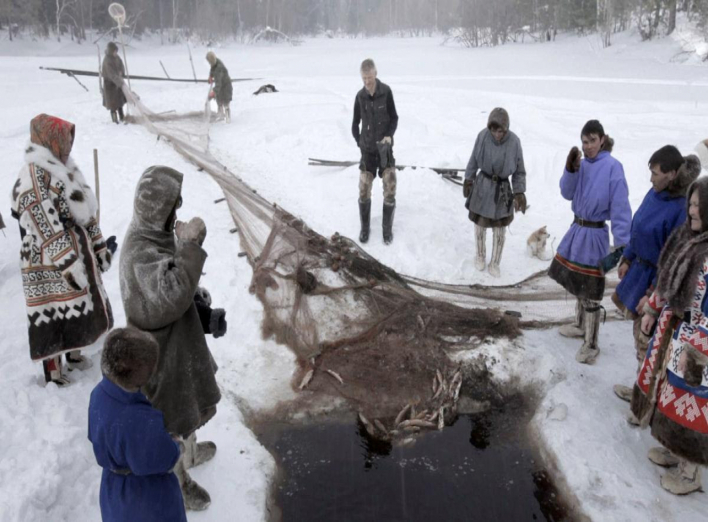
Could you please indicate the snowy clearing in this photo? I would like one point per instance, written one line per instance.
(443, 95)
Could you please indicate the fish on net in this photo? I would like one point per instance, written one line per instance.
(381, 341)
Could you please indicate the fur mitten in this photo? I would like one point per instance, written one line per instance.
(75, 275)
(572, 164)
(695, 366)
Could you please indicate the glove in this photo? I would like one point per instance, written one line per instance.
(611, 260)
(75, 276)
(111, 244)
(387, 140)
(217, 322)
(572, 164)
(520, 202)
(195, 230)
(467, 187)
(212, 95)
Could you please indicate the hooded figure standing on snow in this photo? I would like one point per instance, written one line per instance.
(671, 392)
(160, 267)
(113, 72)
(663, 210)
(375, 109)
(63, 251)
(222, 90)
(598, 189)
(491, 198)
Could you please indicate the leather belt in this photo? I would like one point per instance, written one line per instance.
(588, 224)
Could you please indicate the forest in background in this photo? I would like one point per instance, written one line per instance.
(474, 23)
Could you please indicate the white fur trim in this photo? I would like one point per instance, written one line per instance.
(82, 211)
(702, 152)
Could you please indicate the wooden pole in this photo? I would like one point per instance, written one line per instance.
(192, 62)
(100, 72)
(163, 68)
(98, 186)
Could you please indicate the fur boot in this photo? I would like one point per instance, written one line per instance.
(365, 218)
(53, 372)
(388, 212)
(196, 498)
(498, 235)
(227, 114)
(76, 361)
(663, 457)
(197, 453)
(576, 328)
(480, 237)
(590, 350)
(623, 392)
(682, 480)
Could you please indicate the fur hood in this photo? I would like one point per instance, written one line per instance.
(79, 196)
(609, 144)
(687, 174)
(499, 116)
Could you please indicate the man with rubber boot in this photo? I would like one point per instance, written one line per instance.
(375, 109)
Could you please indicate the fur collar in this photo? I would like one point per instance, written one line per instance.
(79, 196)
(679, 265)
(687, 174)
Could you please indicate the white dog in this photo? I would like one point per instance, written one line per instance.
(536, 244)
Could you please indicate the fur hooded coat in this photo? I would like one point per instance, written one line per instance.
(674, 396)
(63, 251)
(159, 275)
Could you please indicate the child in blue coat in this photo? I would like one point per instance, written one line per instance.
(129, 438)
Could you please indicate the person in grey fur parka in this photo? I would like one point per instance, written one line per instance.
(495, 183)
(159, 273)
(113, 72)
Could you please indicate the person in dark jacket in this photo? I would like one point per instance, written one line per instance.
(222, 90)
(495, 186)
(129, 438)
(160, 267)
(662, 211)
(375, 109)
(113, 72)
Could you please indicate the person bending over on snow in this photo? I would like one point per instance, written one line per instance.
(222, 90)
(375, 109)
(598, 189)
(63, 251)
(671, 392)
(160, 267)
(663, 209)
(129, 438)
(491, 198)
(113, 73)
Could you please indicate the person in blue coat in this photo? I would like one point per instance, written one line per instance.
(662, 211)
(129, 438)
(598, 190)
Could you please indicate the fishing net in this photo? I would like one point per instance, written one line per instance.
(361, 331)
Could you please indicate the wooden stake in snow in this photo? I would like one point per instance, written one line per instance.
(192, 62)
(100, 71)
(98, 186)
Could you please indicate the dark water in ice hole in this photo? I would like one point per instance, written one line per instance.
(481, 468)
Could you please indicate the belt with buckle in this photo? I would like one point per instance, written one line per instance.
(588, 224)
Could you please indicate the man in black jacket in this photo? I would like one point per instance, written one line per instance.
(375, 109)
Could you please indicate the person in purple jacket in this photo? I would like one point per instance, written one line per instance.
(129, 438)
(662, 211)
(598, 189)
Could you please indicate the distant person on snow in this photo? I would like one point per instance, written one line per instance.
(671, 392)
(222, 90)
(491, 198)
(63, 251)
(160, 267)
(113, 73)
(662, 211)
(598, 190)
(375, 110)
(129, 438)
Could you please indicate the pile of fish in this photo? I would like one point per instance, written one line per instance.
(440, 409)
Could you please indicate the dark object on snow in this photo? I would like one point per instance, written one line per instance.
(159, 276)
(267, 88)
(213, 319)
(129, 438)
(2, 223)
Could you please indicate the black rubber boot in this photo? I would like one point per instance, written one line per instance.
(114, 117)
(365, 217)
(388, 212)
(121, 115)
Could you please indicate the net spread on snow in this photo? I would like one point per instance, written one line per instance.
(360, 330)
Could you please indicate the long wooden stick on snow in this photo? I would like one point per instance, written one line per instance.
(78, 72)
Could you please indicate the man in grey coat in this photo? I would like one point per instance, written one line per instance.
(159, 273)
(113, 73)
(495, 183)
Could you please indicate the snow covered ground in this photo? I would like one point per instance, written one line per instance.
(443, 95)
